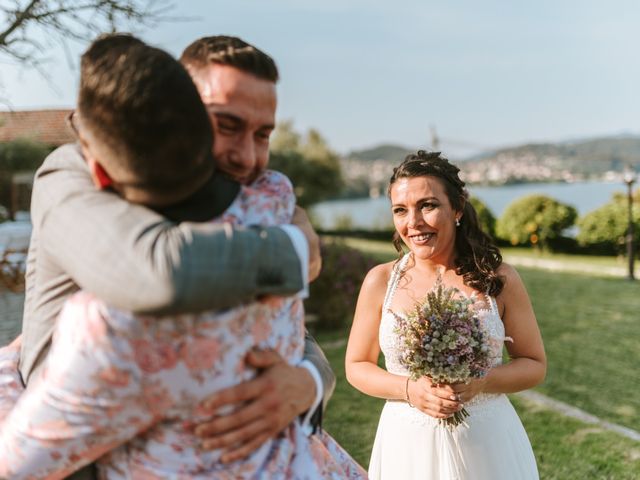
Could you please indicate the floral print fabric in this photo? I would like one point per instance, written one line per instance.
(123, 388)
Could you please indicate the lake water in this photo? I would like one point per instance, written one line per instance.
(375, 213)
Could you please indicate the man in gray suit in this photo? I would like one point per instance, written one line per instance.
(157, 153)
(137, 259)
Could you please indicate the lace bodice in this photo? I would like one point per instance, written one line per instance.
(390, 343)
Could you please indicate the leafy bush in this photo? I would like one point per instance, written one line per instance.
(22, 155)
(314, 169)
(313, 180)
(603, 230)
(535, 220)
(486, 219)
(18, 156)
(333, 296)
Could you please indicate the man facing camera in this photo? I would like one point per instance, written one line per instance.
(237, 84)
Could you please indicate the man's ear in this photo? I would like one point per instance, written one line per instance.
(101, 178)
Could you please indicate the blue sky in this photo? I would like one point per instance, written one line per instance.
(362, 72)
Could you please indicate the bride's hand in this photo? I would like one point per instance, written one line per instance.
(467, 391)
(438, 401)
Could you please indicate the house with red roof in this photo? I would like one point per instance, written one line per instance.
(45, 126)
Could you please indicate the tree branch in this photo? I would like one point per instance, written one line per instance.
(21, 18)
(71, 19)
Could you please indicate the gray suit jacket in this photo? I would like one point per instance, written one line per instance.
(136, 259)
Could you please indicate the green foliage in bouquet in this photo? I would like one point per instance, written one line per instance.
(444, 339)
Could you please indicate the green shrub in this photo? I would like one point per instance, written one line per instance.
(603, 230)
(535, 220)
(20, 155)
(486, 219)
(313, 167)
(313, 180)
(332, 297)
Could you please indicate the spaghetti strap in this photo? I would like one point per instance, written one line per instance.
(398, 268)
(493, 305)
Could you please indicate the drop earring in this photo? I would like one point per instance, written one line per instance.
(457, 222)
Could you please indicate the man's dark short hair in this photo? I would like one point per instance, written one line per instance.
(231, 51)
(142, 104)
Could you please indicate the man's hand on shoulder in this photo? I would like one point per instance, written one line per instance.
(301, 220)
(264, 406)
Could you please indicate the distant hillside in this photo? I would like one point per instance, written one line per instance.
(367, 171)
(590, 158)
(625, 149)
(391, 153)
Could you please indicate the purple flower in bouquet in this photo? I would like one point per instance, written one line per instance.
(443, 338)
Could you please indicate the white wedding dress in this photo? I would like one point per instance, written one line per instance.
(411, 445)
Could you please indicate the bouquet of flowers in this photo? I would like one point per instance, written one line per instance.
(444, 339)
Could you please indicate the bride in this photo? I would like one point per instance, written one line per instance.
(433, 218)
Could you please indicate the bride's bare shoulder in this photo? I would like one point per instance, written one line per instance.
(508, 273)
(378, 276)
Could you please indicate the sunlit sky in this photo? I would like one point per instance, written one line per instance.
(485, 74)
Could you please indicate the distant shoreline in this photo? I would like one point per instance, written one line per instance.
(373, 213)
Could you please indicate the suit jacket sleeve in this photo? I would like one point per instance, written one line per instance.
(315, 355)
(135, 259)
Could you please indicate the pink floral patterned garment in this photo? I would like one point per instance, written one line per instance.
(122, 388)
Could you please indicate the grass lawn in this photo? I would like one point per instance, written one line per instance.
(596, 260)
(381, 251)
(565, 449)
(384, 251)
(591, 329)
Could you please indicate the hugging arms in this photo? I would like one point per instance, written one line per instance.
(135, 259)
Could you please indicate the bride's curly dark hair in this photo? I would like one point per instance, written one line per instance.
(477, 258)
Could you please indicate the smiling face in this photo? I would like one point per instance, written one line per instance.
(242, 108)
(424, 218)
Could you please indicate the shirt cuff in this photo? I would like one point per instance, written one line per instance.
(302, 249)
(307, 428)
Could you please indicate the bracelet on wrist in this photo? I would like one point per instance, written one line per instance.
(406, 392)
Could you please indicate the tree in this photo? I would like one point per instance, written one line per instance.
(314, 169)
(63, 20)
(604, 229)
(18, 156)
(486, 219)
(535, 220)
(285, 138)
